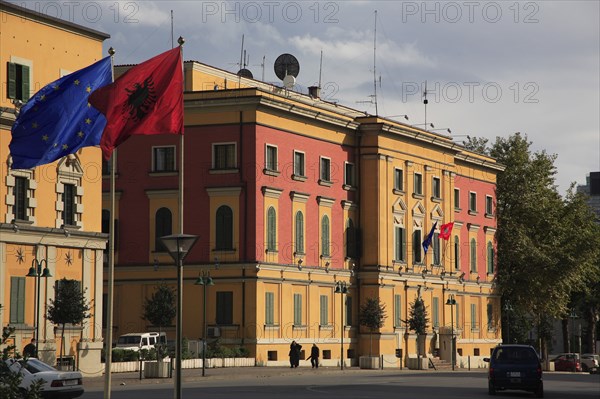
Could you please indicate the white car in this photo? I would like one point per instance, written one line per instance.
(589, 362)
(57, 384)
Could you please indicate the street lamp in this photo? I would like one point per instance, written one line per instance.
(36, 271)
(507, 308)
(179, 245)
(452, 302)
(204, 279)
(573, 316)
(341, 288)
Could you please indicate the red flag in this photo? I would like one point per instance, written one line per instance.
(446, 230)
(147, 99)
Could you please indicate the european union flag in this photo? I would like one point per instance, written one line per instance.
(58, 120)
(427, 241)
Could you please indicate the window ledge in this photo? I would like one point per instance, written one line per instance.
(223, 171)
(398, 192)
(327, 327)
(271, 251)
(457, 209)
(473, 213)
(436, 199)
(30, 222)
(326, 183)
(271, 172)
(299, 327)
(418, 196)
(271, 327)
(489, 215)
(348, 187)
(224, 250)
(298, 178)
(155, 173)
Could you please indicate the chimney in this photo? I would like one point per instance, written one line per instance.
(314, 91)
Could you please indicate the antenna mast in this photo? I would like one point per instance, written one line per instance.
(172, 42)
(374, 64)
(242, 54)
(320, 68)
(425, 103)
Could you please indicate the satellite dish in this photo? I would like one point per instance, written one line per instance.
(289, 81)
(286, 64)
(245, 73)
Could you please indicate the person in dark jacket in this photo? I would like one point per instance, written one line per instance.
(314, 356)
(294, 354)
(30, 350)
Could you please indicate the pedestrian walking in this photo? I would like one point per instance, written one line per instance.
(30, 350)
(314, 356)
(294, 354)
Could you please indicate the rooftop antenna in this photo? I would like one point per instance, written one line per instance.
(242, 54)
(374, 60)
(262, 65)
(425, 102)
(287, 69)
(320, 68)
(243, 72)
(172, 40)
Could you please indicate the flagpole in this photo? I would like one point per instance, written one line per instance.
(179, 326)
(111, 263)
(181, 40)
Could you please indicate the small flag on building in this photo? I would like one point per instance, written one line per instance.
(145, 100)
(427, 241)
(446, 230)
(58, 120)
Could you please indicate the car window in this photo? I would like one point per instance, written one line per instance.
(36, 366)
(515, 355)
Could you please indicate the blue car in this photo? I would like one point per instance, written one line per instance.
(515, 367)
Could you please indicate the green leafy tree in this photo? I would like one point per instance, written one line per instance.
(477, 144)
(372, 316)
(68, 307)
(418, 320)
(160, 310)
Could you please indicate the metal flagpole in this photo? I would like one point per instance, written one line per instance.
(111, 262)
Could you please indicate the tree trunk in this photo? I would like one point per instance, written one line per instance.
(370, 342)
(565, 334)
(62, 343)
(591, 330)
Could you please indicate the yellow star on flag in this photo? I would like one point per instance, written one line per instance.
(43, 97)
(88, 121)
(56, 87)
(64, 146)
(80, 133)
(34, 125)
(76, 82)
(88, 89)
(45, 137)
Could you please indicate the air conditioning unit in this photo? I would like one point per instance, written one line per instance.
(214, 332)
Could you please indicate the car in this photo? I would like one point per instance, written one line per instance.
(567, 362)
(56, 383)
(137, 341)
(515, 367)
(590, 362)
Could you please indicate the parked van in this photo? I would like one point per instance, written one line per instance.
(137, 341)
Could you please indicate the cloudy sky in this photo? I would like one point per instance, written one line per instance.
(492, 68)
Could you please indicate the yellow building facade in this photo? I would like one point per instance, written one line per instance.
(36, 228)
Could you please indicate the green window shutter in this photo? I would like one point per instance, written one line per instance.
(457, 315)
(436, 312)
(397, 311)
(12, 80)
(299, 232)
(324, 313)
(269, 308)
(325, 236)
(348, 310)
(271, 229)
(25, 82)
(473, 316)
(297, 309)
(490, 316)
(17, 300)
(473, 255)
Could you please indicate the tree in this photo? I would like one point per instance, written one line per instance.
(160, 310)
(372, 316)
(68, 307)
(418, 320)
(477, 144)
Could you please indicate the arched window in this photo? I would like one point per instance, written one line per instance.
(163, 226)
(299, 233)
(224, 228)
(456, 253)
(473, 255)
(490, 258)
(350, 239)
(325, 236)
(271, 229)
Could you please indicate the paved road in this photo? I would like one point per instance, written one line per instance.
(330, 383)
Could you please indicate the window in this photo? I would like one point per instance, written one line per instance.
(473, 317)
(224, 156)
(489, 211)
(349, 175)
(271, 158)
(17, 300)
(348, 311)
(105, 221)
(436, 187)
(299, 233)
(21, 200)
(457, 315)
(490, 258)
(68, 199)
(224, 228)
(473, 256)
(269, 308)
(456, 198)
(398, 179)
(297, 309)
(271, 229)
(163, 226)
(163, 159)
(397, 311)
(324, 315)
(418, 184)
(350, 239)
(106, 165)
(435, 311)
(18, 81)
(473, 202)
(224, 308)
(325, 236)
(490, 317)
(400, 244)
(456, 253)
(325, 174)
(437, 249)
(417, 246)
(299, 169)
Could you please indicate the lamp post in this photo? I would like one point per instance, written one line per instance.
(452, 302)
(204, 279)
(179, 245)
(507, 308)
(341, 288)
(573, 316)
(36, 271)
